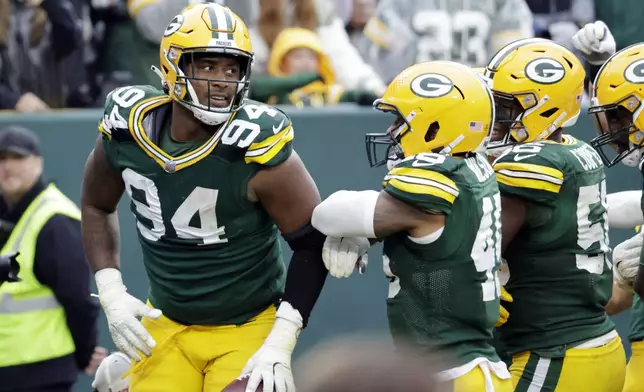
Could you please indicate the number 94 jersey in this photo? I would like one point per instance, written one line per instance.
(212, 256)
(445, 293)
(560, 276)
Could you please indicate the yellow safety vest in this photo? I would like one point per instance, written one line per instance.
(33, 327)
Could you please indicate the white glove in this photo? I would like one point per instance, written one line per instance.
(626, 261)
(595, 41)
(121, 310)
(342, 255)
(271, 364)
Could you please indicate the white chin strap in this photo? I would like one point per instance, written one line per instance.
(634, 158)
(498, 151)
(205, 116)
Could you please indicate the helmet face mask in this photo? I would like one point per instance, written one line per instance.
(616, 130)
(617, 107)
(215, 82)
(508, 128)
(388, 141)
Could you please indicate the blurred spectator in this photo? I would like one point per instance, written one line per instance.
(135, 31)
(301, 74)
(35, 37)
(623, 18)
(351, 70)
(361, 12)
(47, 320)
(559, 20)
(404, 32)
(350, 365)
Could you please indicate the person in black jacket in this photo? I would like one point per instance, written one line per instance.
(52, 319)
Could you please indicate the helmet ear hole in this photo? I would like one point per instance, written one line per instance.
(432, 131)
(549, 112)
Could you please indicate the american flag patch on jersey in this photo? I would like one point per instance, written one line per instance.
(475, 126)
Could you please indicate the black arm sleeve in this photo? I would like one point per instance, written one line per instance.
(60, 264)
(593, 70)
(306, 272)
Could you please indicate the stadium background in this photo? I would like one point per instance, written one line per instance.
(331, 143)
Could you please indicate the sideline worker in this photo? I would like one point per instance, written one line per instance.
(48, 319)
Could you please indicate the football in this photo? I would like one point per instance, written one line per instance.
(239, 385)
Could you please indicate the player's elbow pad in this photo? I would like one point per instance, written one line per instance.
(624, 209)
(347, 214)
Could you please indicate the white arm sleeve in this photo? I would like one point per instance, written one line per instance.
(624, 209)
(346, 214)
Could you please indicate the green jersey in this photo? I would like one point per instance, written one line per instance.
(637, 320)
(445, 293)
(560, 277)
(212, 256)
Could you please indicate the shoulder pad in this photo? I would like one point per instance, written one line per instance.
(530, 171)
(264, 132)
(120, 105)
(424, 181)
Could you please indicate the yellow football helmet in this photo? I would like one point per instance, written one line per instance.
(440, 106)
(204, 30)
(538, 87)
(616, 106)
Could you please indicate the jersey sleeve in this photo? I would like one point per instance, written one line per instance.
(274, 143)
(120, 104)
(112, 123)
(426, 188)
(529, 176)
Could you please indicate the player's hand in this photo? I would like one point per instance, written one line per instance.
(271, 364)
(342, 255)
(121, 310)
(595, 41)
(504, 315)
(626, 261)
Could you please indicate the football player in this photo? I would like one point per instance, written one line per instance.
(211, 177)
(404, 32)
(555, 231)
(439, 215)
(616, 106)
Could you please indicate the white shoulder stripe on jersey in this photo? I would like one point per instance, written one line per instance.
(423, 181)
(530, 175)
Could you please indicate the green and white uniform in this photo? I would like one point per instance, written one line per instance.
(445, 293)
(212, 256)
(560, 277)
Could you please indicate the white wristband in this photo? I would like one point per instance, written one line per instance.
(108, 279)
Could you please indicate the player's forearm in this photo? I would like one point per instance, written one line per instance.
(624, 209)
(101, 238)
(638, 284)
(620, 300)
(306, 271)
